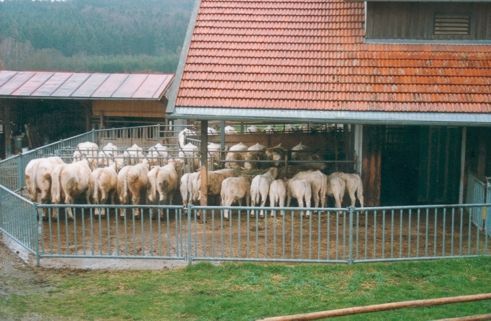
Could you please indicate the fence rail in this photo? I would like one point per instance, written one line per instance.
(196, 233)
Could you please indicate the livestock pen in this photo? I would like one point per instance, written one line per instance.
(197, 233)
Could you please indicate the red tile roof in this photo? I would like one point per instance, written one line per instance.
(311, 55)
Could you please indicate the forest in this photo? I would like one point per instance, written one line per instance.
(93, 35)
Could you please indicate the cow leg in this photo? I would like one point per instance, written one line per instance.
(69, 200)
(337, 199)
(300, 204)
(281, 202)
(135, 200)
(264, 197)
(352, 197)
(360, 198)
(253, 204)
(103, 200)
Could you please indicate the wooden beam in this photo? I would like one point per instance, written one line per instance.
(7, 130)
(204, 163)
(381, 307)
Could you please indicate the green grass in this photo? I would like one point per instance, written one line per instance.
(251, 291)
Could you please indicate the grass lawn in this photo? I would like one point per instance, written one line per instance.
(251, 291)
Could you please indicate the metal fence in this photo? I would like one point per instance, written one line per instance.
(12, 168)
(206, 234)
(18, 220)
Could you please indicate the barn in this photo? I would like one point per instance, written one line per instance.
(413, 103)
(32, 101)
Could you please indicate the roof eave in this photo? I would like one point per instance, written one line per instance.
(351, 117)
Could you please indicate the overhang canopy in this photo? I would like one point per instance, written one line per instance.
(86, 86)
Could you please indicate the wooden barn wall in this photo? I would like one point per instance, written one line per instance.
(137, 109)
(478, 156)
(414, 20)
(371, 164)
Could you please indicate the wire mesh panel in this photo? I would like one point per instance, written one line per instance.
(18, 219)
(476, 194)
(112, 231)
(9, 173)
(394, 233)
(288, 234)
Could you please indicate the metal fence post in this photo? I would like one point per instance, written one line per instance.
(20, 171)
(92, 133)
(350, 249)
(37, 233)
(189, 249)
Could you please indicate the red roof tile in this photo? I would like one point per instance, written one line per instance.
(311, 54)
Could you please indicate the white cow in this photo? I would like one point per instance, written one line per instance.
(230, 130)
(133, 154)
(277, 194)
(260, 188)
(335, 187)
(38, 178)
(214, 154)
(189, 154)
(107, 155)
(276, 154)
(299, 189)
(214, 182)
(251, 129)
(186, 188)
(235, 153)
(87, 150)
(70, 181)
(102, 187)
(317, 180)
(235, 189)
(162, 183)
(300, 152)
(354, 186)
(254, 153)
(157, 155)
(133, 183)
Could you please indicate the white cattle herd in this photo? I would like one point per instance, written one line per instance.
(99, 177)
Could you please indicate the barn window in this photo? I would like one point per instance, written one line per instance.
(451, 24)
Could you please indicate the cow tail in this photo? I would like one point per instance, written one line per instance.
(55, 184)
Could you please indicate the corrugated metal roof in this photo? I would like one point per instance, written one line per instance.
(69, 85)
(312, 55)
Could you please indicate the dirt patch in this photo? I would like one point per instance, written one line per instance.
(18, 278)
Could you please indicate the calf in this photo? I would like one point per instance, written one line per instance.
(235, 189)
(102, 187)
(317, 182)
(277, 194)
(335, 187)
(260, 188)
(299, 189)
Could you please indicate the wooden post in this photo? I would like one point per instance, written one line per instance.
(87, 106)
(7, 130)
(358, 148)
(204, 163)
(462, 164)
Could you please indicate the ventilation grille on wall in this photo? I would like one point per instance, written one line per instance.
(451, 24)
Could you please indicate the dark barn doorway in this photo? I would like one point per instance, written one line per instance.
(420, 165)
(400, 160)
